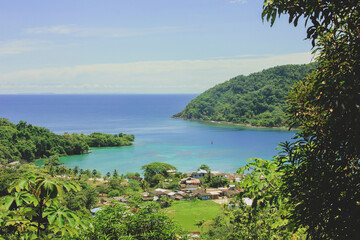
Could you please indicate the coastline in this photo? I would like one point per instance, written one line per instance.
(237, 124)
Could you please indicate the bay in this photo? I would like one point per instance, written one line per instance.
(184, 144)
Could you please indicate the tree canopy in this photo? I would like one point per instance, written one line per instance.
(257, 99)
(204, 167)
(26, 142)
(156, 171)
(141, 221)
(324, 178)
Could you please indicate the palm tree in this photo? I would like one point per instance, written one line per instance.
(115, 174)
(76, 170)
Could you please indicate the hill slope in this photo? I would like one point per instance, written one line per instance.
(257, 99)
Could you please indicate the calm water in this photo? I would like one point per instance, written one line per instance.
(184, 144)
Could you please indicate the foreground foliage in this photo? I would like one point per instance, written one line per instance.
(34, 210)
(257, 99)
(324, 176)
(265, 217)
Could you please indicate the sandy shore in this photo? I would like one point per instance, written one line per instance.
(236, 124)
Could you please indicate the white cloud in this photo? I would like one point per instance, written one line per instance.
(238, 1)
(20, 46)
(60, 29)
(174, 76)
(78, 31)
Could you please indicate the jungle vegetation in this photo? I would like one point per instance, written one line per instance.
(322, 176)
(258, 99)
(25, 142)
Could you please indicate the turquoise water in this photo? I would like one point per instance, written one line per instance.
(184, 144)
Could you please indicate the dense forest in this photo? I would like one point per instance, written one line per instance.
(26, 142)
(258, 99)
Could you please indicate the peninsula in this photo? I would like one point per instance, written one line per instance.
(25, 142)
(255, 100)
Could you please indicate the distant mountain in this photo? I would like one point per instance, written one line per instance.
(258, 99)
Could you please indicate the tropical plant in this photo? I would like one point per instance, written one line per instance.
(165, 202)
(34, 209)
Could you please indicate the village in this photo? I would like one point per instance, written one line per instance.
(191, 187)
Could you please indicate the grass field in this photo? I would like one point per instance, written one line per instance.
(188, 213)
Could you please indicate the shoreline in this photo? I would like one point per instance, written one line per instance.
(237, 124)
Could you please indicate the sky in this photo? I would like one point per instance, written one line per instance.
(139, 46)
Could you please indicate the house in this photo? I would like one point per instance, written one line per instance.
(212, 189)
(95, 210)
(215, 194)
(14, 164)
(223, 190)
(195, 192)
(159, 192)
(135, 178)
(171, 171)
(171, 195)
(181, 193)
(120, 199)
(189, 189)
(178, 197)
(146, 199)
(231, 193)
(189, 183)
(201, 194)
(237, 179)
(248, 201)
(215, 173)
(231, 178)
(199, 174)
(193, 235)
(204, 195)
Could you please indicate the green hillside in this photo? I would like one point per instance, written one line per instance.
(258, 99)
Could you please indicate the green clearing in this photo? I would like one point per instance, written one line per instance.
(188, 213)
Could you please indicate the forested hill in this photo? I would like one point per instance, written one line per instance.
(26, 142)
(258, 99)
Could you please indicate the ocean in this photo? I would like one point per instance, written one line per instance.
(184, 144)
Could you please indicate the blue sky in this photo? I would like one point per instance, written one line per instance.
(139, 46)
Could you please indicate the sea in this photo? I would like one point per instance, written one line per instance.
(184, 144)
